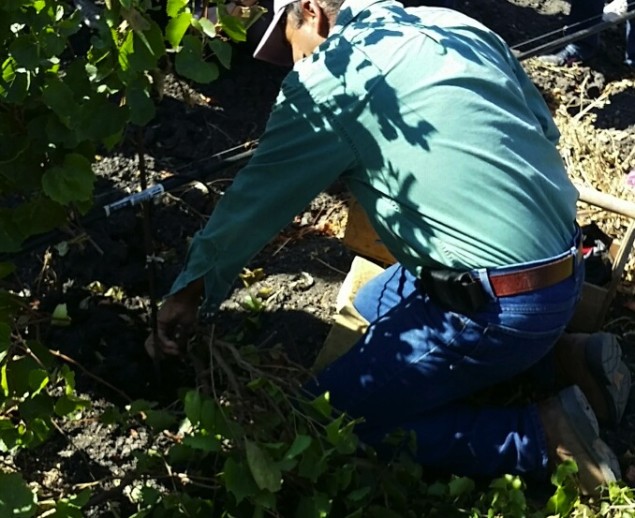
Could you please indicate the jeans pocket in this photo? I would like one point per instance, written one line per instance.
(512, 349)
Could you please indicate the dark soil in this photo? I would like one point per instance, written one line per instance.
(303, 267)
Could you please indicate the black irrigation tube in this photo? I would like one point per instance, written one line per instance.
(569, 38)
(174, 182)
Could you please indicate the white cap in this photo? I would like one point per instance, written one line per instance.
(273, 46)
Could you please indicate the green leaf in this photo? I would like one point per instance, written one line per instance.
(190, 64)
(232, 26)
(15, 84)
(69, 379)
(206, 26)
(9, 304)
(265, 471)
(10, 237)
(176, 28)
(174, 7)
(59, 97)
(461, 486)
(192, 403)
(160, 419)
(17, 376)
(322, 404)
(565, 471)
(52, 43)
(40, 407)
(6, 269)
(222, 50)
(238, 480)
(70, 507)
(358, 494)
(72, 181)
(25, 51)
(69, 404)
(60, 316)
(39, 214)
(140, 52)
(5, 339)
(16, 498)
(207, 443)
(315, 506)
(38, 380)
(300, 443)
(142, 109)
(99, 118)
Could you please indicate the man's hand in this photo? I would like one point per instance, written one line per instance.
(175, 321)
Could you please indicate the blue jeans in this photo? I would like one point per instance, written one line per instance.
(417, 362)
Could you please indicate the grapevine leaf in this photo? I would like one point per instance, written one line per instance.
(67, 405)
(232, 25)
(52, 42)
(16, 498)
(99, 118)
(189, 62)
(38, 215)
(160, 419)
(14, 85)
(192, 404)
(60, 316)
(174, 7)
(142, 50)
(38, 379)
(70, 182)
(222, 50)
(300, 443)
(206, 443)
(25, 52)
(265, 471)
(59, 97)
(238, 480)
(17, 376)
(207, 26)
(177, 27)
(142, 108)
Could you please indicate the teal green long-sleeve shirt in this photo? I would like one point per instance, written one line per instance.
(435, 128)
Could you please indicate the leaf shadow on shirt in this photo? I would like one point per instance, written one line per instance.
(375, 176)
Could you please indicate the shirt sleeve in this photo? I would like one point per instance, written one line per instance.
(300, 154)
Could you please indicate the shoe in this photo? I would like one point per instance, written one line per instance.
(572, 433)
(594, 363)
(566, 57)
(614, 10)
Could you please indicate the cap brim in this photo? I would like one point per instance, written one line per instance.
(273, 47)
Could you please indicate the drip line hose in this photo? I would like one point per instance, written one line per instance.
(225, 160)
(569, 38)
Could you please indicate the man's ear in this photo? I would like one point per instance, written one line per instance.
(313, 13)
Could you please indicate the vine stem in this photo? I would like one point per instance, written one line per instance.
(149, 248)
